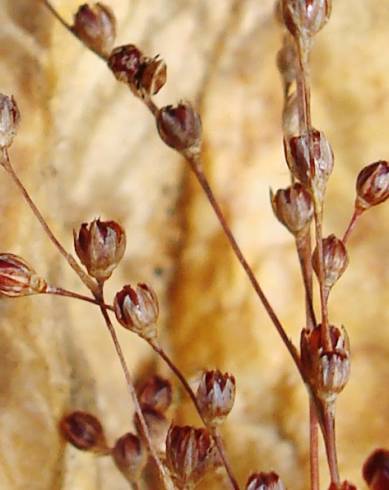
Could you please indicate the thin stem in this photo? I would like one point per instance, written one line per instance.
(354, 218)
(330, 443)
(88, 281)
(70, 294)
(217, 438)
(314, 447)
(131, 389)
(303, 247)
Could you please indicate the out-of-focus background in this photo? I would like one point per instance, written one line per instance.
(87, 148)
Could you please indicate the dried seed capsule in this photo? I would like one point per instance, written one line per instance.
(376, 470)
(157, 424)
(293, 208)
(335, 260)
(9, 120)
(18, 278)
(343, 486)
(95, 25)
(327, 371)
(265, 481)
(312, 173)
(126, 63)
(306, 18)
(130, 457)
(372, 185)
(100, 246)
(153, 76)
(190, 454)
(180, 127)
(156, 393)
(138, 309)
(84, 431)
(215, 396)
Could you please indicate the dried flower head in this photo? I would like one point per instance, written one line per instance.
(215, 396)
(130, 456)
(157, 424)
(293, 207)
(9, 120)
(265, 481)
(137, 309)
(327, 371)
(190, 454)
(100, 246)
(156, 393)
(372, 185)
(180, 127)
(153, 76)
(305, 18)
(84, 431)
(18, 278)
(335, 260)
(95, 25)
(376, 470)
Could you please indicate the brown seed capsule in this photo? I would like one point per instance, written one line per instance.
(326, 371)
(18, 278)
(137, 309)
(312, 173)
(190, 454)
(343, 486)
(293, 208)
(130, 457)
(95, 25)
(100, 246)
(265, 481)
(180, 127)
(376, 470)
(153, 76)
(126, 63)
(84, 431)
(372, 185)
(156, 393)
(9, 120)
(335, 260)
(305, 18)
(215, 396)
(157, 424)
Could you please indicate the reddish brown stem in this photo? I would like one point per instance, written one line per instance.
(70, 294)
(354, 218)
(330, 444)
(314, 447)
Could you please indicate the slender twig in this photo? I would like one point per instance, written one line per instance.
(354, 218)
(70, 294)
(329, 422)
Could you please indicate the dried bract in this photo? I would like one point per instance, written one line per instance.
(95, 25)
(265, 481)
(215, 396)
(130, 456)
(190, 455)
(335, 260)
(137, 309)
(180, 127)
(305, 18)
(18, 278)
(84, 431)
(9, 120)
(376, 470)
(153, 76)
(156, 393)
(100, 246)
(372, 185)
(293, 207)
(157, 424)
(327, 371)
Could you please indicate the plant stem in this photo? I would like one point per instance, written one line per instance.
(329, 422)
(217, 438)
(70, 294)
(354, 218)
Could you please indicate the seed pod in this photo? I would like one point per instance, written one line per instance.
(376, 470)
(215, 396)
(335, 259)
(84, 431)
(100, 246)
(372, 185)
(130, 457)
(9, 120)
(126, 63)
(265, 481)
(312, 173)
(305, 18)
(153, 76)
(18, 278)
(190, 454)
(138, 309)
(95, 25)
(327, 371)
(343, 486)
(180, 127)
(156, 393)
(293, 208)
(157, 424)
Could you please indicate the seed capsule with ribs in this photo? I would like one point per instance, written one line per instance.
(18, 278)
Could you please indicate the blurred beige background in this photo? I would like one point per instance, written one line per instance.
(87, 148)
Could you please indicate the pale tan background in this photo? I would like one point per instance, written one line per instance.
(87, 148)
